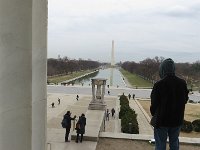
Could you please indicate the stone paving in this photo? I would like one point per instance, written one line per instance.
(55, 133)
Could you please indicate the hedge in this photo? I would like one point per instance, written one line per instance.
(128, 117)
(187, 126)
(196, 125)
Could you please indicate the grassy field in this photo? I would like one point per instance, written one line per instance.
(58, 79)
(135, 80)
(192, 112)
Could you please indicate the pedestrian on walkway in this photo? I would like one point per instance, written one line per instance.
(133, 96)
(77, 97)
(168, 99)
(68, 119)
(53, 105)
(129, 96)
(108, 92)
(113, 112)
(107, 115)
(80, 127)
(58, 101)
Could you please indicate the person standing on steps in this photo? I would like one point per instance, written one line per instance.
(80, 127)
(168, 98)
(68, 118)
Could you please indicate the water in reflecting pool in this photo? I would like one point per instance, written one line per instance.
(112, 75)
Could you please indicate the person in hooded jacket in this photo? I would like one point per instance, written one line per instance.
(81, 127)
(168, 98)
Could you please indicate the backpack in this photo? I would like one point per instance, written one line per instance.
(64, 123)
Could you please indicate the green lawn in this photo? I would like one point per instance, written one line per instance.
(58, 79)
(135, 80)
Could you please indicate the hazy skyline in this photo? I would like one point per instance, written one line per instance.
(140, 29)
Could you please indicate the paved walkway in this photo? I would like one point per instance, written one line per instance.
(144, 126)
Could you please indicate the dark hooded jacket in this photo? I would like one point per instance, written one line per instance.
(82, 122)
(168, 97)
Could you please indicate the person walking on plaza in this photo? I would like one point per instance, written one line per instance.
(168, 98)
(80, 127)
(129, 96)
(108, 92)
(53, 105)
(107, 114)
(133, 96)
(68, 119)
(77, 97)
(58, 101)
(113, 112)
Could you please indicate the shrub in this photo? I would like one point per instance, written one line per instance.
(191, 101)
(123, 100)
(123, 111)
(196, 125)
(130, 117)
(127, 116)
(187, 126)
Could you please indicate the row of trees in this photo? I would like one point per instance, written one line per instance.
(66, 65)
(148, 69)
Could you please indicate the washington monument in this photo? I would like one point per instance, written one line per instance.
(112, 55)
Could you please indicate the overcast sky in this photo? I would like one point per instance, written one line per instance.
(140, 28)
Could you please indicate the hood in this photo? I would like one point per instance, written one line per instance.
(167, 67)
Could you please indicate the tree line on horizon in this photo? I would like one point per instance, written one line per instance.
(148, 69)
(63, 66)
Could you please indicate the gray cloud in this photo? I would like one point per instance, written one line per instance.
(182, 11)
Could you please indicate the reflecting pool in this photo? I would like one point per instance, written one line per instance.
(112, 75)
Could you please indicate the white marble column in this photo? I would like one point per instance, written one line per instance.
(39, 80)
(23, 52)
(93, 91)
(15, 74)
(103, 92)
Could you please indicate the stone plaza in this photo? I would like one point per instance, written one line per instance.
(95, 128)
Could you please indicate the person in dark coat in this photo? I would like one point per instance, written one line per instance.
(129, 96)
(133, 96)
(113, 112)
(58, 101)
(168, 98)
(77, 97)
(67, 116)
(107, 114)
(80, 127)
